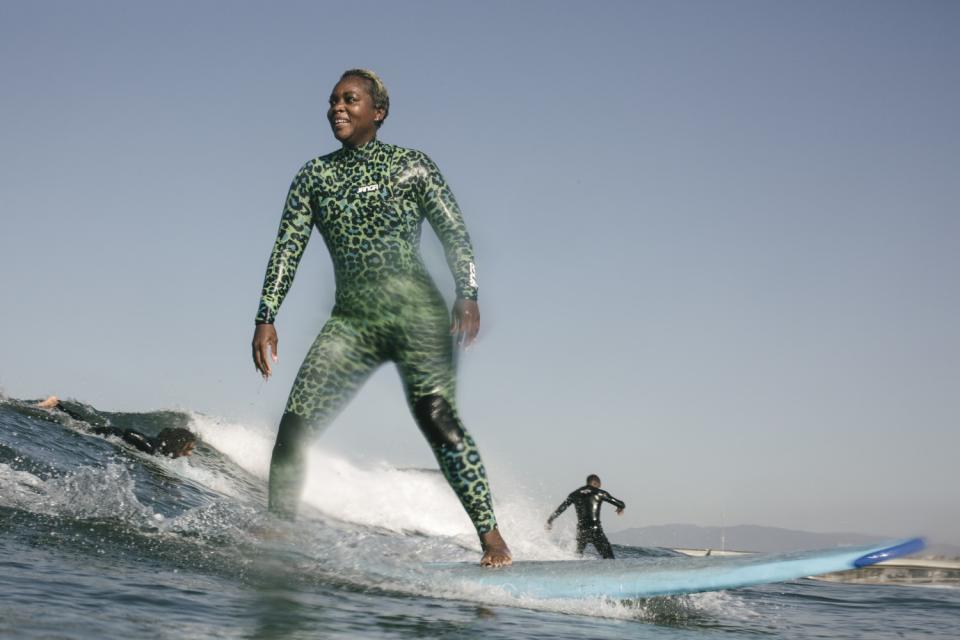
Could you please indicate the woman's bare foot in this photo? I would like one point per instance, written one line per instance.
(495, 551)
(49, 403)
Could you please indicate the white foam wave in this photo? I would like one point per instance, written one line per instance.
(248, 446)
(209, 478)
(376, 495)
(381, 495)
(419, 501)
(88, 493)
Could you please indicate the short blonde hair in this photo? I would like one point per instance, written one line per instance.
(381, 99)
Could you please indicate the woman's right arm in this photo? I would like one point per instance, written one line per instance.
(292, 237)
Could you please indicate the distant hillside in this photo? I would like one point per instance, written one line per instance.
(750, 538)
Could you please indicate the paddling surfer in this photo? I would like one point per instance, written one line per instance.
(172, 442)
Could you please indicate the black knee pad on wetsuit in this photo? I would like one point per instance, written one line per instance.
(438, 423)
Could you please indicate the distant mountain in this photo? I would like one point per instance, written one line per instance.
(750, 538)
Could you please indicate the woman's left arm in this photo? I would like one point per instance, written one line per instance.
(443, 213)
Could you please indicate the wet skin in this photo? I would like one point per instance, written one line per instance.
(352, 115)
(495, 551)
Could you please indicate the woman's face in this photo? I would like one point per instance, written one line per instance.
(351, 114)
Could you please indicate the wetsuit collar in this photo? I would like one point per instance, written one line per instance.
(362, 152)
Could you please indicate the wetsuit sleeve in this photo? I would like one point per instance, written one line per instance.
(71, 413)
(292, 237)
(443, 213)
(563, 507)
(619, 504)
(135, 438)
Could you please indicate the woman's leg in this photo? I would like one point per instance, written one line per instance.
(424, 358)
(337, 364)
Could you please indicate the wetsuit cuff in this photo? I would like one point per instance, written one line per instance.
(467, 294)
(265, 315)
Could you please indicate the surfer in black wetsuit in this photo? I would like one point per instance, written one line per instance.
(172, 442)
(587, 500)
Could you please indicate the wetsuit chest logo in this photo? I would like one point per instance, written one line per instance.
(368, 188)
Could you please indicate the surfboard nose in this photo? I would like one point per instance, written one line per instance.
(901, 549)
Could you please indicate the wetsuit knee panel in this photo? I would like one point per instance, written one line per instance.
(438, 422)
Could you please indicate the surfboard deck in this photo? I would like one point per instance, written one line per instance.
(660, 576)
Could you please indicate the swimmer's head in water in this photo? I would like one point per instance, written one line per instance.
(175, 442)
(381, 99)
(593, 480)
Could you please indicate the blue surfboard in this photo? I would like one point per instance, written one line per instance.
(659, 576)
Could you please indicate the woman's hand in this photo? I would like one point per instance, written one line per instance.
(264, 348)
(465, 324)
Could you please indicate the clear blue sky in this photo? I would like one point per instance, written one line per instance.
(718, 243)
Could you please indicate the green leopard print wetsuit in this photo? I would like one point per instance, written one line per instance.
(369, 204)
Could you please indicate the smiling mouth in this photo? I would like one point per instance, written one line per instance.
(339, 121)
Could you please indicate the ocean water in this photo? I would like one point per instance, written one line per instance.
(100, 541)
